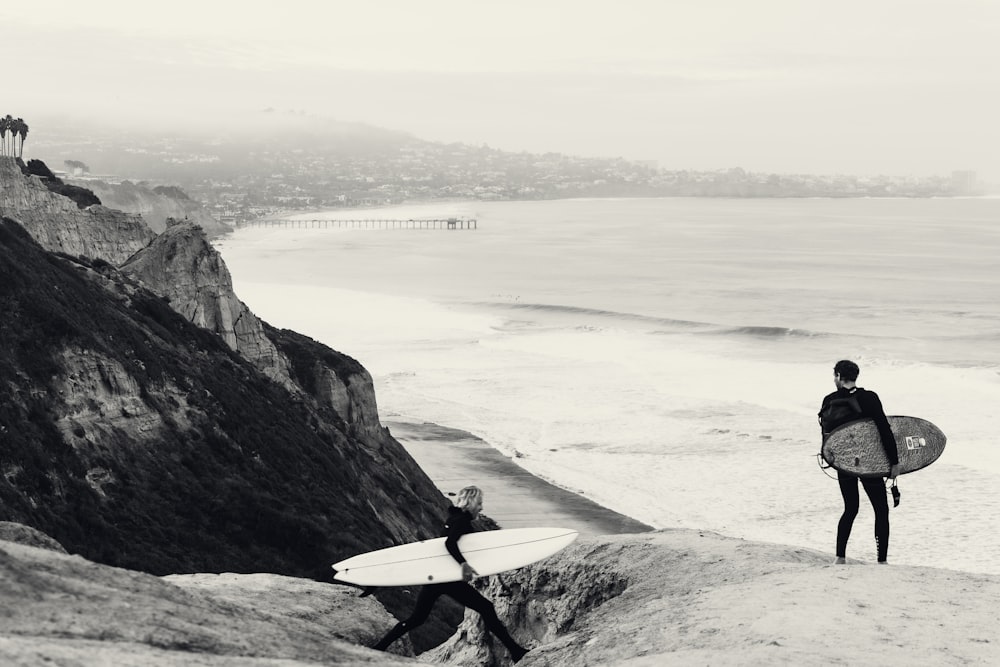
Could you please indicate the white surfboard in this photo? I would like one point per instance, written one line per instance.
(428, 562)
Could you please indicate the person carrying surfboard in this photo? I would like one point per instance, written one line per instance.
(849, 403)
(467, 506)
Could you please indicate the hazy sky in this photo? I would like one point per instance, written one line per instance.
(863, 86)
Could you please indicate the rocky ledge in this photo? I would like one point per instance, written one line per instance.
(682, 597)
(674, 597)
(66, 610)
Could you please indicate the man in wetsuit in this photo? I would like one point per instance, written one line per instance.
(849, 403)
(459, 522)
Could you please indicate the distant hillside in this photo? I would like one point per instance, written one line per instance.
(154, 203)
(248, 145)
(266, 163)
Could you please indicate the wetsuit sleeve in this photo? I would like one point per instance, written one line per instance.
(459, 523)
(819, 415)
(871, 407)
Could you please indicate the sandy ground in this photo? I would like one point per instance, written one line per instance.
(514, 498)
(687, 597)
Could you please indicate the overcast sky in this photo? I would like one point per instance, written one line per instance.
(822, 86)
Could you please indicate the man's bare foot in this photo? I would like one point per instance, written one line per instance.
(840, 561)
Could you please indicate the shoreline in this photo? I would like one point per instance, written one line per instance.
(514, 497)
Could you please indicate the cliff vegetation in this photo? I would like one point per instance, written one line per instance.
(148, 421)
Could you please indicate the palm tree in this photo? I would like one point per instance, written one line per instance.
(9, 126)
(4, 124)
(22, 130)
(12, 128)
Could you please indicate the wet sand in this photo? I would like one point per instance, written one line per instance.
(514, 497)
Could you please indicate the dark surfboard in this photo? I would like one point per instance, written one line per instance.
(856, 448)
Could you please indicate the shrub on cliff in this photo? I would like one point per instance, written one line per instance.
(39, 168)
(306, 356)
(171, 191)
(82, 196)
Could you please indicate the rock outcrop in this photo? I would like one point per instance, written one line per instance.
(59, 225)
(62, 609)
(181, 266)
(684, 597)
(156, 205)
(333, 380)
(20, 534)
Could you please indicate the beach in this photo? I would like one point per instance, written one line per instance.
(514, 498)
(666, 358)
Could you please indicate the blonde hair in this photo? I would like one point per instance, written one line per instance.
(468, 496)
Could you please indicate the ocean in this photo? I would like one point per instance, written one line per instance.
(667, 357)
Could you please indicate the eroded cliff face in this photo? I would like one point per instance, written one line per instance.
(106, 414)
(181, 266)
(139, 439)
(543, 603)
(59, 225)
(332, 379)
(141, 442)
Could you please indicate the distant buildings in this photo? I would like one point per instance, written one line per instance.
(254, 180)
(965, 183)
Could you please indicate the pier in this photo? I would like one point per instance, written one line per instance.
(365, 223)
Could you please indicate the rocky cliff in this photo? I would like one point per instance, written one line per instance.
(138, 439)
(148, 409)
(156, 205)
(181, 266)
(65, 610)
(171, 430)
(59, 225)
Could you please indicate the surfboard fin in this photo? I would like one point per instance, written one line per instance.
(365, 590)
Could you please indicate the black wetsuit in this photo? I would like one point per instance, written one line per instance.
(841, 407)
(459, 523)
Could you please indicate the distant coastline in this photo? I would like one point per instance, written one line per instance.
(245, 177)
